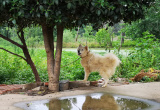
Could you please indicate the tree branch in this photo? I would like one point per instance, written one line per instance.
(11, 41)
(19, 36)
(13, 53)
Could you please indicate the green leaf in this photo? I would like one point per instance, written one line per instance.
(134, 12)
(4, 3)
(69, 5)
(92, 3)
(98, 12)
(46, 14)
(105, 11)
(19, 13)
(79, 22)
(56, 1)
(38, 15)
(44, 1)
(115, 17)
(41, 8)
(14, 21)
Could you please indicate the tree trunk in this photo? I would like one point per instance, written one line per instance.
(28, 57)
(58, 57)
(53, 65)
(49, 47)
(32, 65)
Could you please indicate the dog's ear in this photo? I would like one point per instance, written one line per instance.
(86, 47)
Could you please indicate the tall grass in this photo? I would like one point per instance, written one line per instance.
(14, 70)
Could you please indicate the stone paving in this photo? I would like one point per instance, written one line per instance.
(8, 88)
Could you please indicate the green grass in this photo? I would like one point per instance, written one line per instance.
(14, 70)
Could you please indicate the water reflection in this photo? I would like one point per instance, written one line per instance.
(105, 102)
(96, 102)
(130, 104)
(66, 104)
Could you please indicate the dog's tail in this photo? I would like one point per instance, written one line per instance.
(114, 60)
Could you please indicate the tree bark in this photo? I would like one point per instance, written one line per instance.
(49, 47)
(32, 65)
(53, 64)
(28, 58)
(58, 56)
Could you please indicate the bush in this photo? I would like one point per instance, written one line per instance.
(144, 56)
(129, 43)
(68, 36)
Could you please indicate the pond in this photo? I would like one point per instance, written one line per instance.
(94, 101)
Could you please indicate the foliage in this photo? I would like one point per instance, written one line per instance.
(88, 34)
(150, 23)
(144, 56)
(70, 13)
(68, 36)
(104, 37)
(101, 36)
(15, 70)
(147, 79)
(33, 35)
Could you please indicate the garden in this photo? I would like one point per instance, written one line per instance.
(38, 54)
(142, 53)
(31, 48)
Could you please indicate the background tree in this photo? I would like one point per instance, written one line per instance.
(104, 37)
(150, 23)
(67, 14)
(88, 32)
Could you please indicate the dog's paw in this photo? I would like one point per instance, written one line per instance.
(104, 86)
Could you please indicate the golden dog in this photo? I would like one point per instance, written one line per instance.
(91, 62)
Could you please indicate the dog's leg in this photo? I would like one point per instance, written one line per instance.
(106, 79)
(87, 72)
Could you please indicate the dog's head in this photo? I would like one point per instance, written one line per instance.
(82, 51)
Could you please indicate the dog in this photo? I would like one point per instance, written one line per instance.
(92, 62)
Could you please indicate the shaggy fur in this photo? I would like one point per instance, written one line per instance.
(91, 62)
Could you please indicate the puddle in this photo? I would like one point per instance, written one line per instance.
(95, 101)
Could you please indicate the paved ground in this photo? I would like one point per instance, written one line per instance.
(141, 90)
(7, 88)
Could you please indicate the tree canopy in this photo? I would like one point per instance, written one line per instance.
(71, 13)
(150, 23)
